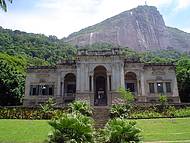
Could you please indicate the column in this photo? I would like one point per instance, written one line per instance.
(62, 88)
(142, 85)
(138, 89)
(92, 83)
(122, 75)
(108, 83)
(59, 84)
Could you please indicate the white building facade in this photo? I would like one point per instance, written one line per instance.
(95, 76)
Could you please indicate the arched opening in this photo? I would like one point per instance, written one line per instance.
(131, 82)
(69, 84)
(100, 86)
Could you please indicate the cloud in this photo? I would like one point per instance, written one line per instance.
(62, 17)
(183, 4)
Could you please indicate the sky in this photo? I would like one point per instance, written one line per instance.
(63, 17)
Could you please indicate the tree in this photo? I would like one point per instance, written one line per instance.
(11, 85)
(12, 78)
(183, 78)
(3, 4)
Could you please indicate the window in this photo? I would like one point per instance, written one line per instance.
(160, 87)
(34, 90)
(130, 87)
(151, 88)
(168, 87)
(44, 89)
(41, 89)
(51, 90)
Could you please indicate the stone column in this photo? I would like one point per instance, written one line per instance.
(138, 88)
(122, 75)
(78, 82)
(92, 83)
(142, 85)
(59, 84)
(175, 87)
(164, 87)
(62, 88)
(108, 83)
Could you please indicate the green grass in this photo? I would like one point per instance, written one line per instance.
(165, 129)
(23, 131)
(36, 131)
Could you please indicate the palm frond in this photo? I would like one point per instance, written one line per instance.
(3, 4)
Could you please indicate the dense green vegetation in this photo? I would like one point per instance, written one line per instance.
(34, 131)
(38, 46)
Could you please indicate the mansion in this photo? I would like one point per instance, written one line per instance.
(95, 76)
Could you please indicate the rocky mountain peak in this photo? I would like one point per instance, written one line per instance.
(142, 28)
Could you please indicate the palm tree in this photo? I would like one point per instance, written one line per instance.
(3, 4)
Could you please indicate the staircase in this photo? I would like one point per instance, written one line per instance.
(101, 116)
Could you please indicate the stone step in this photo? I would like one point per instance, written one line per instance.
(101, 116)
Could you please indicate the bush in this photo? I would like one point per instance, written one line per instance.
(182, 112)
(119, 110)
(126, 95)
(121, 131)
(72, 128)
(27, 113)
(145, 115)
(81, 107)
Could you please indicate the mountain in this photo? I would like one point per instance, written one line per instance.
(142, 28)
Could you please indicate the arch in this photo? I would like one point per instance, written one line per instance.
(69, 84)
(131, 82)
(100, 70)
(100, 86)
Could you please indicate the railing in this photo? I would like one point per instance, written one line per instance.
(84, 52)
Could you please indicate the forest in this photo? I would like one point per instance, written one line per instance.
(19, 50)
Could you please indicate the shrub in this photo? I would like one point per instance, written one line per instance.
(145, 115)
(126, 95)
(182, 112)
(81, 107)
(163, 101)
(120, 110)
(71, 128)
(121, 131)
(27, 113)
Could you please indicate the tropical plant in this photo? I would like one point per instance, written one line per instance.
(81, 107)
(48, 106)
(3, 4)
(121, 131)
(120, 110)
(126, 95)
(71, 128)
(47, 109)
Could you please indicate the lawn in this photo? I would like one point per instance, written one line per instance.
(36, 131)
(165, 129)
(23, 131)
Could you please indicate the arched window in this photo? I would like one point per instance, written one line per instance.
(131, 82)
(69, 84)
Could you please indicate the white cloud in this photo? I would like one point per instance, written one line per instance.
(62, 17)
(182, 4)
